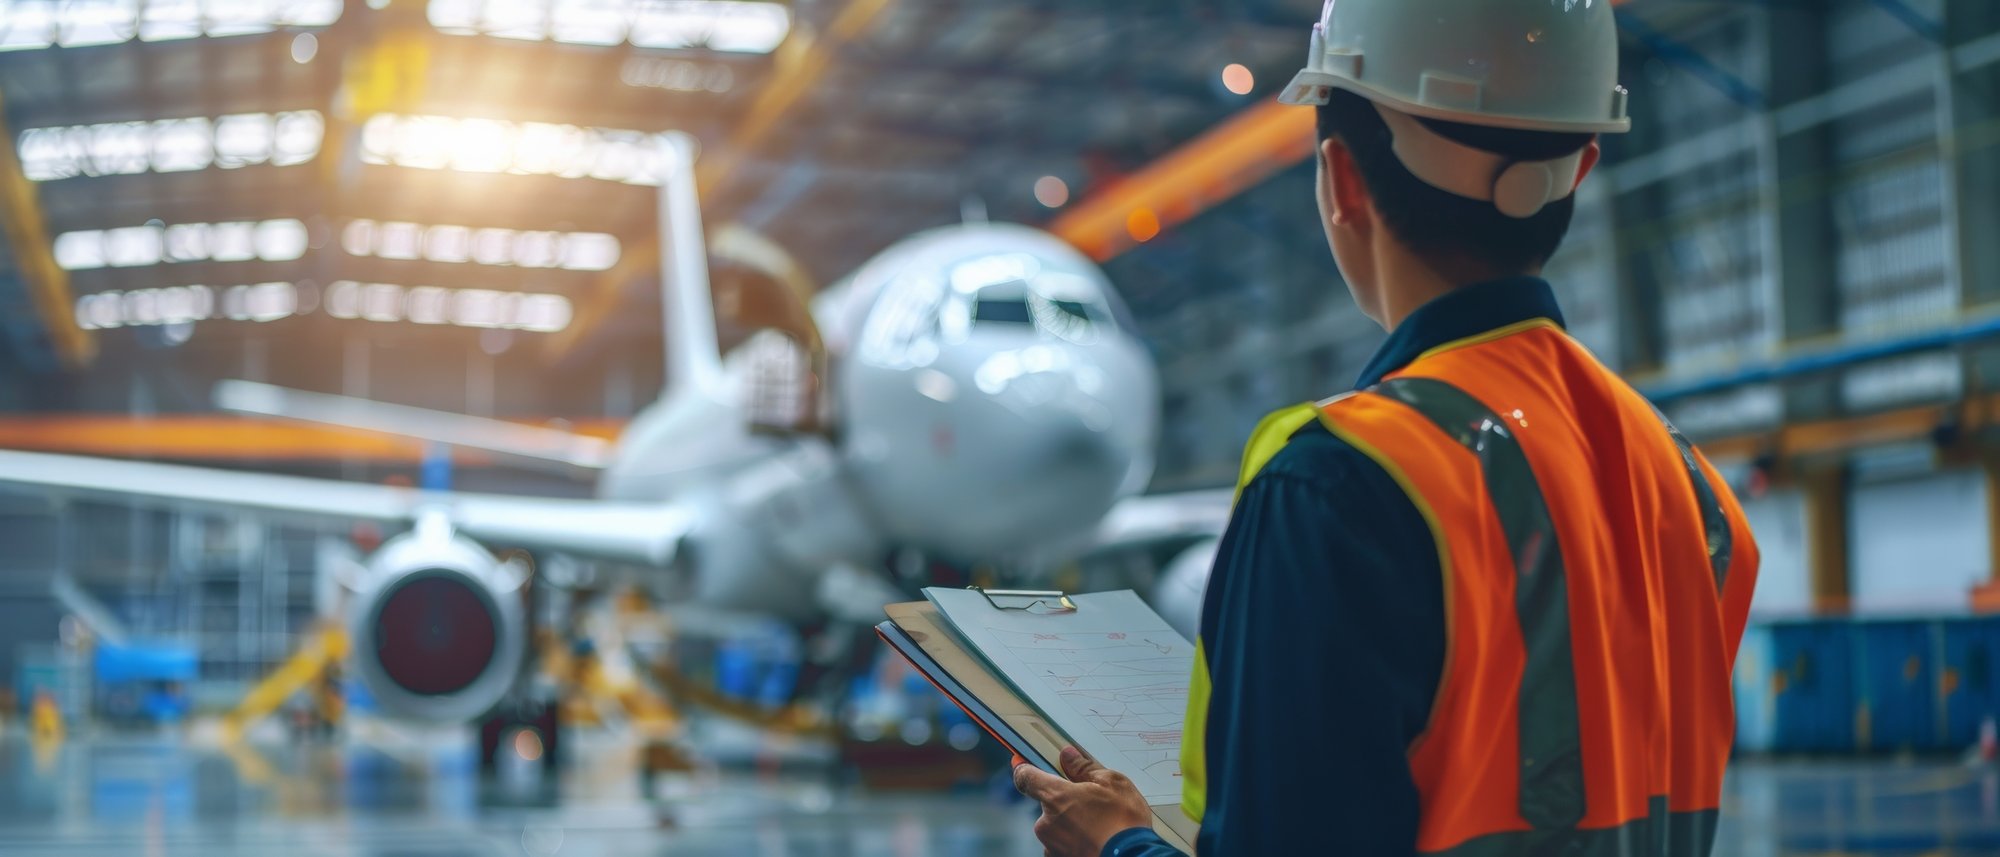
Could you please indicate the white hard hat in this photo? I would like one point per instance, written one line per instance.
(1536, 65)
(1532, 65)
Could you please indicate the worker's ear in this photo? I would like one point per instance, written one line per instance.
(1590, 155)
(1343, 197)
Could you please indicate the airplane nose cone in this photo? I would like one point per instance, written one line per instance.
(1079, 447)
(1073, 465)
(1008, 443)
(1082, 454)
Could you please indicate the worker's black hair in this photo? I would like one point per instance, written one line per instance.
(1460, 236)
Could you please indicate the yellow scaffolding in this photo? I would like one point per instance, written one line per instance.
(322, 651)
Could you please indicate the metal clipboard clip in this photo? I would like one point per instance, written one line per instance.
(1039, 601)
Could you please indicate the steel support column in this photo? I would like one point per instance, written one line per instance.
(1826, 538)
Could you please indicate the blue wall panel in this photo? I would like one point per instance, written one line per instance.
(1897, 686)
(1814, 682)
(1969, 688)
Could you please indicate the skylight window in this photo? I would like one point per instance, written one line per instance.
(154, 244)
(186, 305)
(36, 24)
(520, 148)
(484, 308)
(171, 145)
(575, 251)
(734, 26)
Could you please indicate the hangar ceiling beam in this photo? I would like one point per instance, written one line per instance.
(798, 64)
(27, 237)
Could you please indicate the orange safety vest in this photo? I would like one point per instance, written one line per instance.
(1598, 575)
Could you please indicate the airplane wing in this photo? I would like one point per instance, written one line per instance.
(566, 452)
(1156, 518)
(640, 533)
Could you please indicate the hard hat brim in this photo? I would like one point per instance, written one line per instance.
(1312, 88)
(1308, 88)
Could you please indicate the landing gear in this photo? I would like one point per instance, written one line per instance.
(520, 751)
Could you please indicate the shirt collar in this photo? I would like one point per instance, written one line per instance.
(1462, 312)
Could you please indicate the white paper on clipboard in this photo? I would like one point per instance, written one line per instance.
(1112, 675)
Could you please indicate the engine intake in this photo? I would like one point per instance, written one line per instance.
(439, 629)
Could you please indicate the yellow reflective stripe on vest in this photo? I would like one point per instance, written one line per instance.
(1194, 732)
(1488, 336)
(1270, 436)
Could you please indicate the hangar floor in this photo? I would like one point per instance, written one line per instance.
(142, 797)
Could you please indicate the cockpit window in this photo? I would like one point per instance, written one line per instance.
(902, 327)
(1015, 291)
(1001, 310)
(1076, 309)
(1073, 318)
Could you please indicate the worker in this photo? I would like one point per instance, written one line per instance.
(1486, 603)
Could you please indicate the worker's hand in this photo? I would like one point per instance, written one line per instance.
(1081, 814)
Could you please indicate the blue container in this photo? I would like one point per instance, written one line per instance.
(778, 684)
(355, 696)
(145, 662)
(1969, 678)
(1897, 686)
(736, 669)
(762, 670)
(1813, 687)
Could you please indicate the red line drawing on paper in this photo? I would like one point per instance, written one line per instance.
(1132, 690)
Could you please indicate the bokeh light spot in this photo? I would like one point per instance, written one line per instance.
(1236, 78)
(1051, 192)
(1142, 224)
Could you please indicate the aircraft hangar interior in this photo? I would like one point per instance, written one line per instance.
(729, 427)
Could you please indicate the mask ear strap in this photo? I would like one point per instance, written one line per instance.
(1520, 189)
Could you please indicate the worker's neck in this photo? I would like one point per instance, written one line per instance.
(1409, 282)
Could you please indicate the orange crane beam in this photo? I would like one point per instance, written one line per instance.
(228, 438)
(1227, 160)
(199, 437)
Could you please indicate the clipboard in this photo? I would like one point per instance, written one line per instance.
(928, 667)
(921, 623)
(1029, 600)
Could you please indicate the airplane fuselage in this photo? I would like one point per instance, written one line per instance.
(988, 398)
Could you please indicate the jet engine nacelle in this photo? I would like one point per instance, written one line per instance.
(438, 626)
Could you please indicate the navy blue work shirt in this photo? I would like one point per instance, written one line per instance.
(1324, 628)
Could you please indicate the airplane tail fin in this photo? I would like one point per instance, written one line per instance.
(543, 448)
(694, 356)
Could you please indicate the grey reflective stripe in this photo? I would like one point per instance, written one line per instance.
(1714, 523)
(1552, 787)
(1660, 834)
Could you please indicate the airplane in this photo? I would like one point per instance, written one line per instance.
(988, 401)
